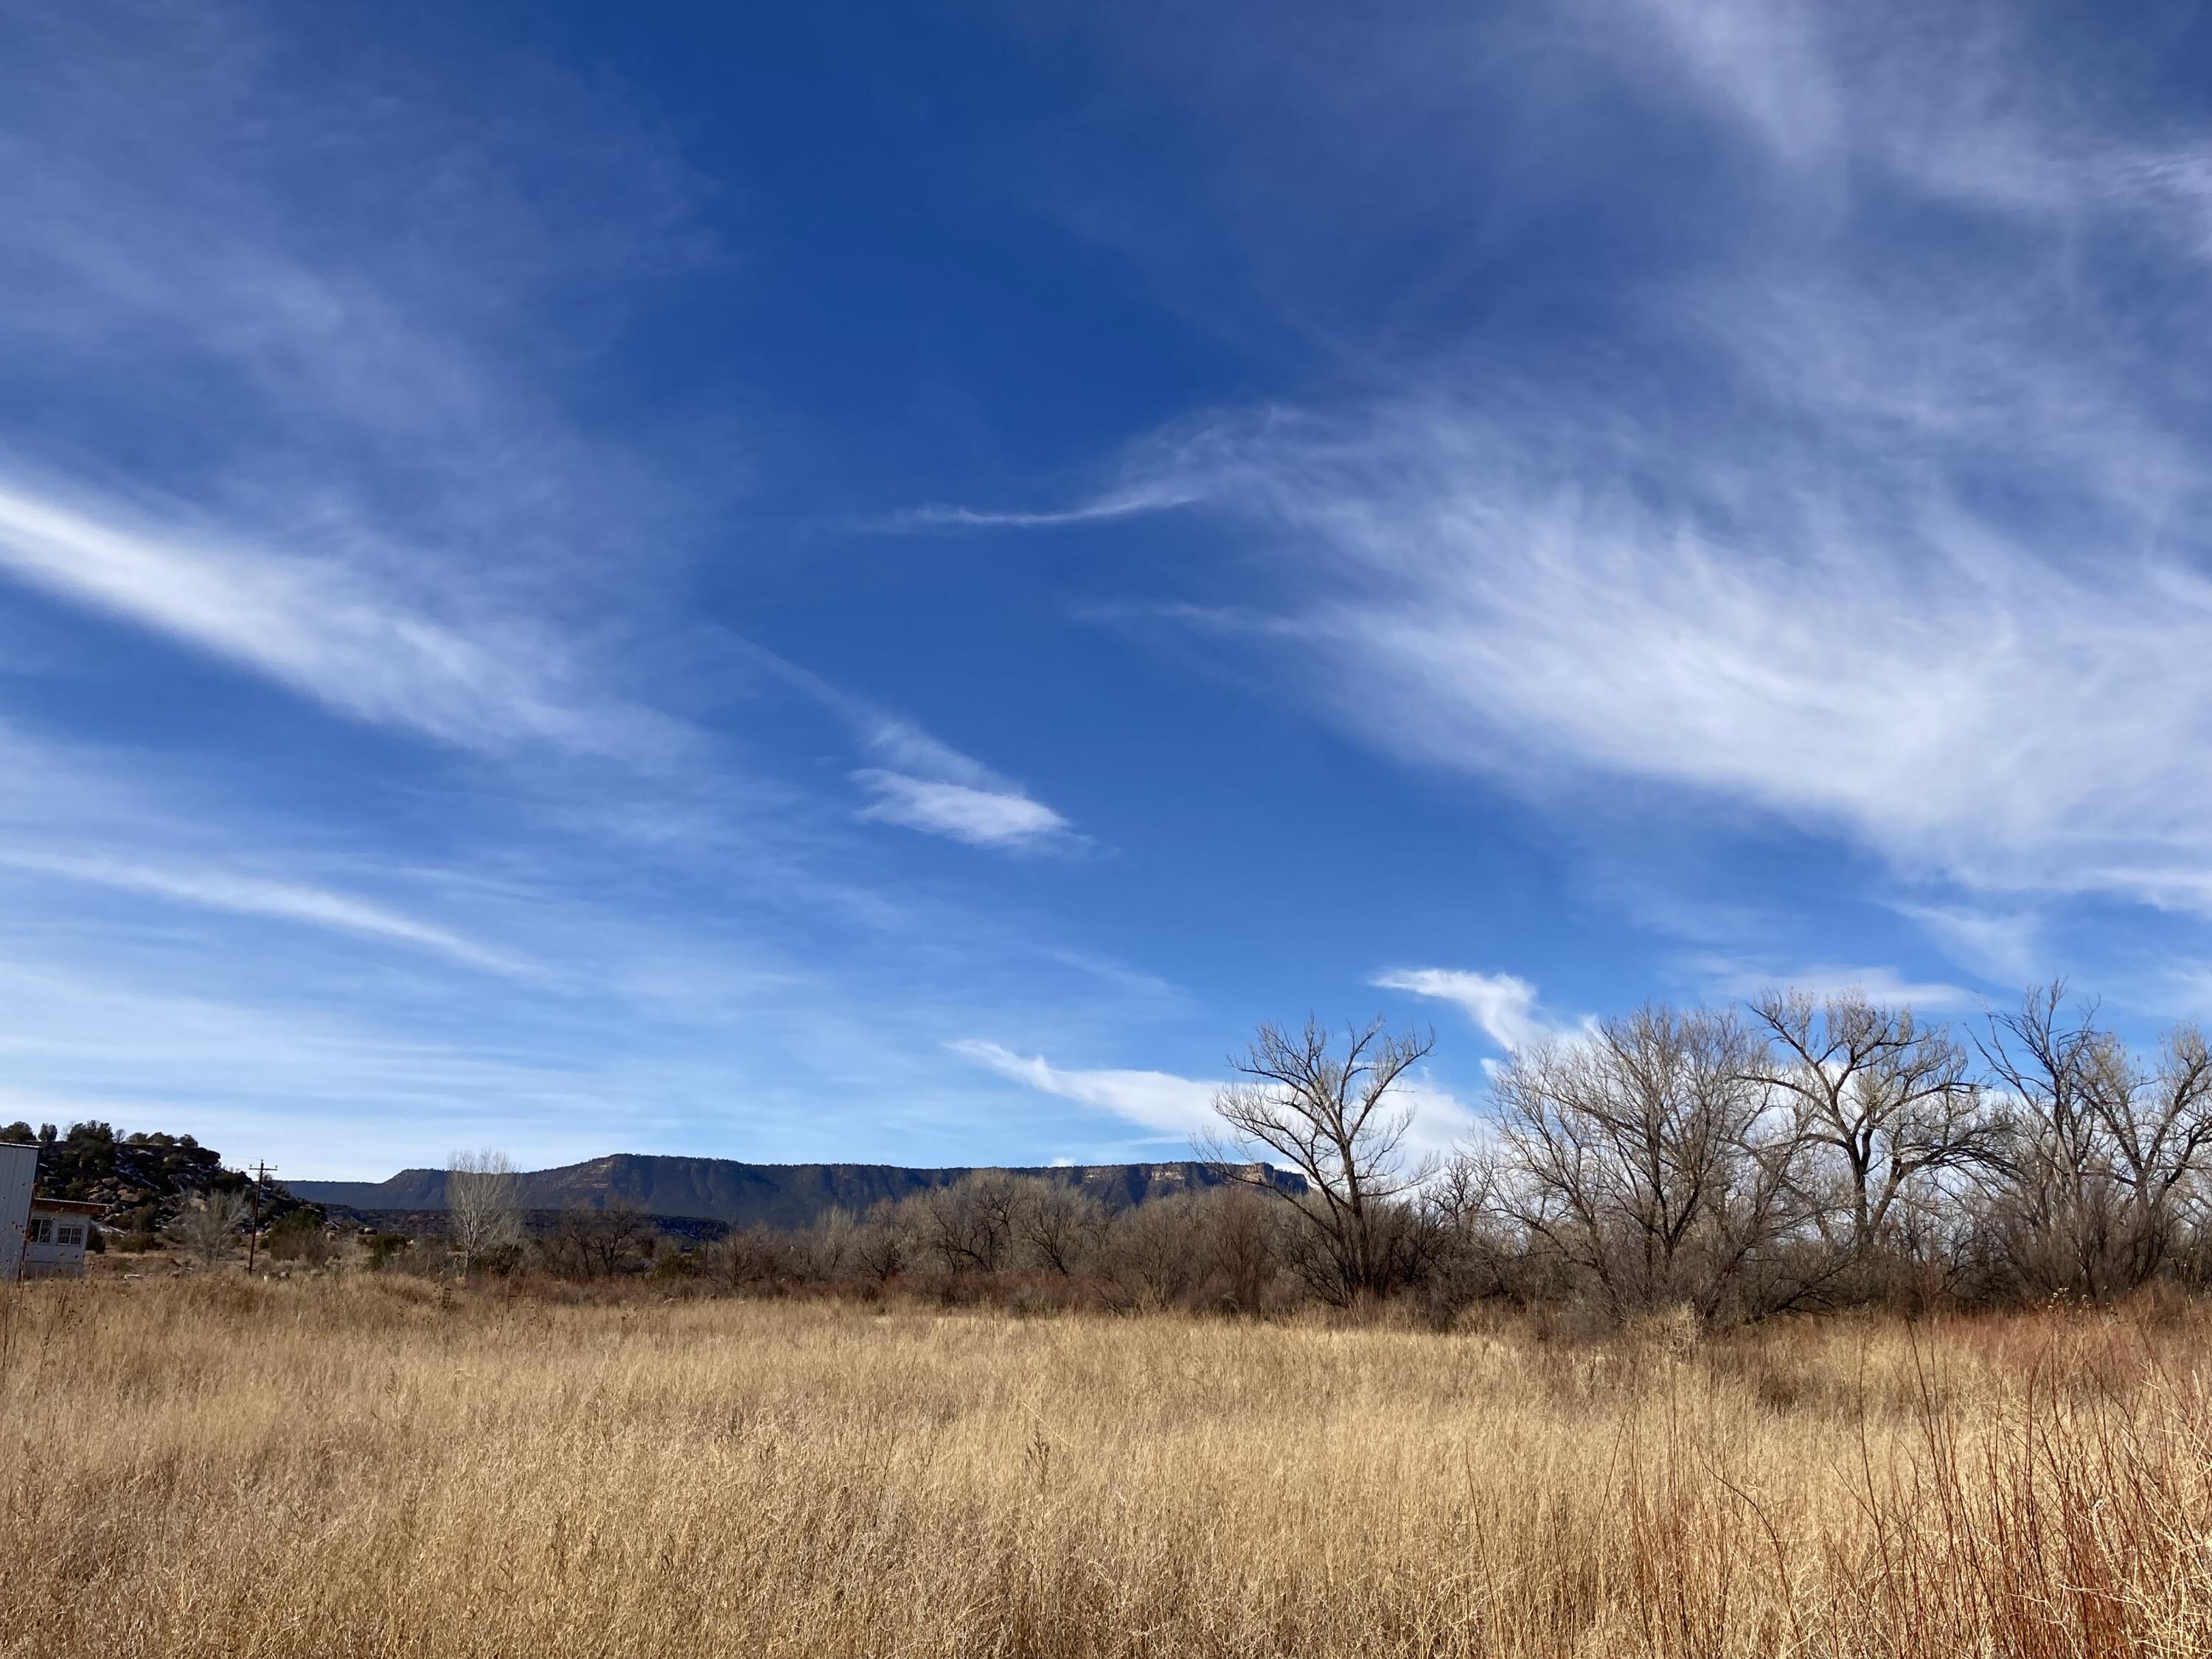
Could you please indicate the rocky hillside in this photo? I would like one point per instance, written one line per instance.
(744, 1195)
(140, 1181)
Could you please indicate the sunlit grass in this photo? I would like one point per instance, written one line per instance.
(376, 1466)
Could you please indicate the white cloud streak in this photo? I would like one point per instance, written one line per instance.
(925, 783)
(1894, 665)
(934, 788)
(1503, 1005)
(981, 817)
(308, 355)
(1123, 501)
(1735, 978)
(278, 901)
(2006, 946)
(1182, 1106)
(1908, 553)
(347, 473)
(1158, 1100)
(1953, 104)
(316, 626)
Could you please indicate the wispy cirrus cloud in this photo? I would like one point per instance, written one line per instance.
(981, 817)
(1744, 978)
(2001, 945)
(318, 626)
(280, 901)
(1503, 1007)
(925, 783)
(307, 351)
(1124, 501)
(1906, 554)
(1857, 647)
(1158, 1100)
(1958, 105)
(1183, 1107)
(932, 786)
(1507, 1009)
(315, 438)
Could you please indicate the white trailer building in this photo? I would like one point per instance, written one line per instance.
(19, 1174)
(39, 1237)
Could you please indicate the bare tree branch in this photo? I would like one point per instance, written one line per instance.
(1340, 1120)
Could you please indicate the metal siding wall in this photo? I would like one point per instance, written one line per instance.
(53, 1262)
(19, 1169)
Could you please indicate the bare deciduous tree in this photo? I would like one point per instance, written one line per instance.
(1340, 1120)
(750, 1258)
(969, 1225)
(1653, 1160)
(1058, 1225)
(2102, 1151)
(597, 1241)
(484, 1205)
(1155, 1255)
(207, 1224)
(881, 1245)
(1243, 1257)
(2159, 1119)
(1463, 1219)
(826, 1248)
(1883, 1100)
(1463, 1194)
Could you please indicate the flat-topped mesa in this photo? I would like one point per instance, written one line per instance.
(774, 1194)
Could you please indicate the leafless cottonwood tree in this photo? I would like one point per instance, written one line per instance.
(969, 1225)
(1463, 1216)
(2103, 1152)
(1339, 1119)
(1058, 1226)
(590, 1241)
(826, 1248)
(744, 1258)
(1239, 1247)
(1652, 1159)
(1886, 1105)
(207, 1224)
(882, 1242)
(2160, 1122)
(484, 1205)
(1463, 1193)
(1155, 1254)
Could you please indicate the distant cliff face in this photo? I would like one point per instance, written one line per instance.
(743, 1194)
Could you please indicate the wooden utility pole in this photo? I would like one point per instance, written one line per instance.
(253, 1230)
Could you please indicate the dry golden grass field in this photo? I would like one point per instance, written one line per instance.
(375, 1466)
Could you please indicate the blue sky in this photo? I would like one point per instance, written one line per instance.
(875, 582)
